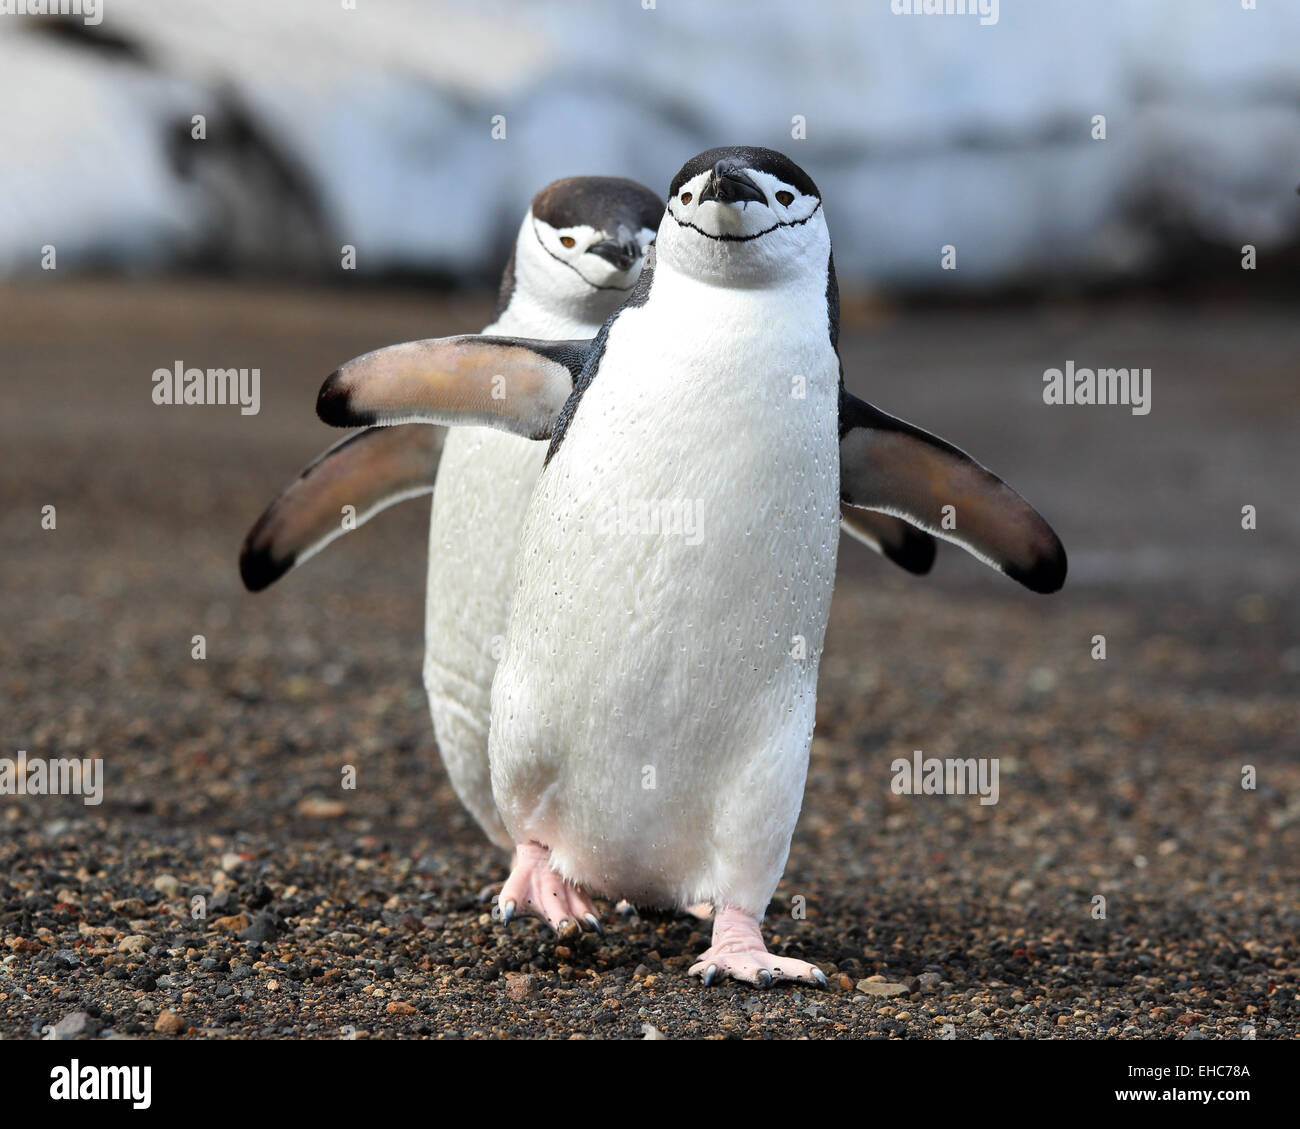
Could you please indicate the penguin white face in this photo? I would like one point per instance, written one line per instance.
(743, 213)
(581, 246)
(602, 259)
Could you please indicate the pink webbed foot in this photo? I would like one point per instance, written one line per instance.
(534, 888)
(738, 952)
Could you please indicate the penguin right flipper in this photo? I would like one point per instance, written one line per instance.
(887, 465)
(891, 537)
(511, 383)
(368, 471)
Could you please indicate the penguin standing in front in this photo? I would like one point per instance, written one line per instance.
(653, 713)
(576, 257)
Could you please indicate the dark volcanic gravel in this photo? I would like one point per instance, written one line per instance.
(333, 913)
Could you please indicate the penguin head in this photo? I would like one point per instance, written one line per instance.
(743, 214)
(582, 243)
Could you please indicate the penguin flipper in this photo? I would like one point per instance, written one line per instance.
(511, 383)
(887, 465)
(891, 537)
(368, 471)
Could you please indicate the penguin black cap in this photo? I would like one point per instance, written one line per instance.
(750, 157)
(602, 202)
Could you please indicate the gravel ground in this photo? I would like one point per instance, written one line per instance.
(356, 913)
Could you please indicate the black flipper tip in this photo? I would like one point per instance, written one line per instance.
(334, 405)
(258, 567)
(1046, 575)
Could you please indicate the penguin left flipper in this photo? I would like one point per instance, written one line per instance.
(510, 383)
(890, 466)
(891, 537)
(368, 471)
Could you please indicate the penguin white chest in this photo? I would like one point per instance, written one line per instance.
(653, 712)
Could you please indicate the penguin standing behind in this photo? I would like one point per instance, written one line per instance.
(576, 257)
(653, 712)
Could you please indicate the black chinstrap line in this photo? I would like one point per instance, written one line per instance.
(544, 247)
(746, 238)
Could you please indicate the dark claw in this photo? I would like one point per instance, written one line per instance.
(507, 912)
(595, 924)
(820, 977)
(568, 930)
(709, 974)
(764, 978)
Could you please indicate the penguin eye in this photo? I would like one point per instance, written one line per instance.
(784, 198)
(566, 240)
(686, 197)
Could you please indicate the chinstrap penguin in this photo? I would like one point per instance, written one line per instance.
(576, 257)
(653, 712)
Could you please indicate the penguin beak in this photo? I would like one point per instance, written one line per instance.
(621, 252)
(730, 184)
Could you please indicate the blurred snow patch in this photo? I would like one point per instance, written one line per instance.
(373, 127)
